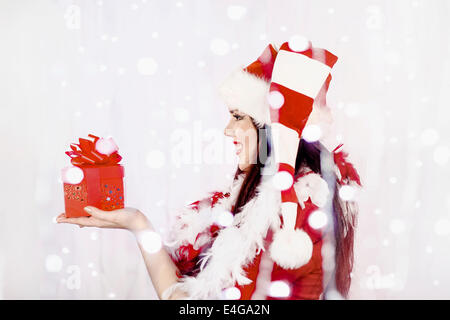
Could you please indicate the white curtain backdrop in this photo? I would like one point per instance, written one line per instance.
(145, 72)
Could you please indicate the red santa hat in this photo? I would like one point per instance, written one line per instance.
(279, 89)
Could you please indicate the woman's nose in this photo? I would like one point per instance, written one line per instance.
(228, 130)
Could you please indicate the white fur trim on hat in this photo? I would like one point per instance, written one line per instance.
(291, 249)
(247, 92)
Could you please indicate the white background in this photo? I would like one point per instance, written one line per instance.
(141, 71)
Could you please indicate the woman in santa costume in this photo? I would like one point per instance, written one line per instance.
(281, 230)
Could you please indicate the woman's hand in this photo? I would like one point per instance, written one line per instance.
(128, 218)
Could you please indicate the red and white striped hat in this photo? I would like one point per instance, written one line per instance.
(279, 89)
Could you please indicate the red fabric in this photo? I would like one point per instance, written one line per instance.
(306, 281)
(318, 54)
(302, 220)
(186, 257)
(286, 167)
(295, 111)
(297, 107)
(251, 271)
(288, 195)
(346, 169)
(263, 66)
(216, 196)
(209, 201)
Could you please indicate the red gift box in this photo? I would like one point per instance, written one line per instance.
(95, 179)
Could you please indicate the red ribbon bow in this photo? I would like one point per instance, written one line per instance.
(84, 154)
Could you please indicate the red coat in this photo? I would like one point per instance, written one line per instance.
(305, 282)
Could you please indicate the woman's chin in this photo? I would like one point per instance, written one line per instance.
(243, 166)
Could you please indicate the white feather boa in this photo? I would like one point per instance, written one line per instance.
(235, 246)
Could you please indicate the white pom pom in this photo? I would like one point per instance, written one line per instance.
(291, 249)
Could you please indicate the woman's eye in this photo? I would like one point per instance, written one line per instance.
(237, 117)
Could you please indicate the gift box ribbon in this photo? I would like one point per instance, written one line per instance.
(84, 154)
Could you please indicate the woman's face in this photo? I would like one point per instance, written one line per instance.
(244, 134)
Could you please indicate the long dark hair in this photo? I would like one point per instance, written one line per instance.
(309, 155)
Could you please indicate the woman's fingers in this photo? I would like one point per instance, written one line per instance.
(119, 218)
(62, 215)
(82, 221)
(93, 211)
(97, 213)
